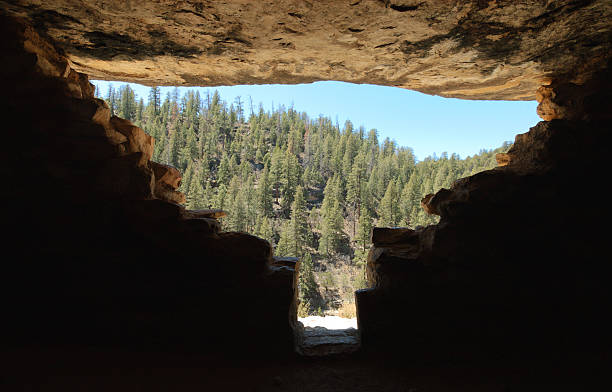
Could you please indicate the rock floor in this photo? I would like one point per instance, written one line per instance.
(92, 369)
(319, 341)
(329, 335)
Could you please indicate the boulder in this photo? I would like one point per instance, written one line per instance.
(167, 181)
(137, 139)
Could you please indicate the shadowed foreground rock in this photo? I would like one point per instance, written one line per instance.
(517, 264)
(105, 255)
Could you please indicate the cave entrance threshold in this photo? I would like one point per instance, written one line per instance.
(328, 335)
(318, 336)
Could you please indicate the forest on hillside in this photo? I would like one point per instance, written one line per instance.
(312, 188)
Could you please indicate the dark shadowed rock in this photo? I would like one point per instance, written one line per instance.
(215, 214)
(382, 236)
(117, 260)
(285, 261)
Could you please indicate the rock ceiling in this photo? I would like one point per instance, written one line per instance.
(473, 49)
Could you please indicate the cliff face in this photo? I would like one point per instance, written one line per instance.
(465, 49)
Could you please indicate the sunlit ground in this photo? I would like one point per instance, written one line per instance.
(328, 322)
(329, 335)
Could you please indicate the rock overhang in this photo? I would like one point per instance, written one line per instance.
(463, 49)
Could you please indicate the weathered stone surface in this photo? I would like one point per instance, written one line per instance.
(425, 203)
(285, 261)
(165, 193)
(215, 213)
(564, 99)
(431, 201)
(167, 175)
(382, 236)
(319, 341)
(137, 139)
(466, 49)
(167, 181)
(502, 159)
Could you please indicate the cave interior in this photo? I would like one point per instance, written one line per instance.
(104, 268)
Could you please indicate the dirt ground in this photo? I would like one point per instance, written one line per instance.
(98, 369)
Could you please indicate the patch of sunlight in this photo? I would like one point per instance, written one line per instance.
(328, 322)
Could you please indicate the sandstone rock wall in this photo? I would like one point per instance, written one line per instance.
(99, 249)
(496, 49)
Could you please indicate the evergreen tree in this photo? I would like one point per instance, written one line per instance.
(389, 206)
(127, 103)
(264, 193)
(322, 178)
(155, 100)
(308, 288)
(331, 228)
(286, 242)
(300, 230)
(364, 231)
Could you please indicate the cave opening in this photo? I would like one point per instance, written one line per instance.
(222, 155)
(513, 275)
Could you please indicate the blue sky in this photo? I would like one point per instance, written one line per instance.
(428, 124)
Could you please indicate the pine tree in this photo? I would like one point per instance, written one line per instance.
(195, 195)
(364, 231)
(410, 199)
(264, 192)
(265, 230)
(331, 228)
(308, 288)
(389, 206)
(155, 99)
(127, 103)
(224, 174)
(355, 188)
(286, 243)
(290, 176)
(236, 219)
(111, 100)
(186, 181)
(300, 231)
(245, 166)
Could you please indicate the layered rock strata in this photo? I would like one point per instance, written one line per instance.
(102, 250)
(465, 49)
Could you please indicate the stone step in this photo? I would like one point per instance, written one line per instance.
(319, 341)
(214, 214)
(285, 261)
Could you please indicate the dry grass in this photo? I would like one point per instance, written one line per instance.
(347, 310)
(338, 283)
